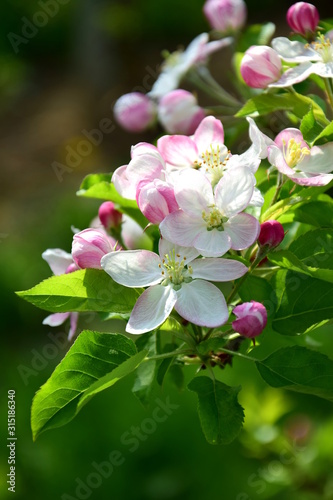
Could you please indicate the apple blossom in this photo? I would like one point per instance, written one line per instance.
(133, 235)
(179, 113)
(156, 200)
(176, 279)
(209, 221)
(109, 216)
(225, 15)
(61, 262)
(135, 112)
(303, 18)
(89, 246)
(271, 233)
(179, 63)
(251, 319)
(315, 58)
(260, 66)
(306, 166)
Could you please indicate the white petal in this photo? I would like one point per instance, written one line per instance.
(151, 309)
(194, 192)
(260, 141)
(234, 191)
(243, 230)
(212, 243)
(320, 160)
(294, 51)
(275, 157)
(133, 268)
(257, 199)
(316, 180)
(58, 260)
(181, 228)
(325, 70)
(295, 75)
(202, 303)
(56, 319)
(165, 247)
(213, 269)
(123, 184)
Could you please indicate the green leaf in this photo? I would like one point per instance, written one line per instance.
(100, 186)
(258, 289)
(145, 374)
(220, 413)
(287, 260)
(85, 290)
(95, 362)
(269, 102)
(303, 301)
(212, 344)
(315, 248)
(325, 135)
(299, 369)
(176, 375)
(316, 213)
(309, 127)
(256, 34)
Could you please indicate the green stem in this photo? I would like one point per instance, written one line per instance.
(169, 354)
(229, 108)
(329, 91)
(207, 77)
(239, 354)
(260, 255)
(279, 185)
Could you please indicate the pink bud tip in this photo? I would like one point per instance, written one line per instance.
(109, 216)
(179, 112)
(271, 233)
(89, 246)
(225, 15)
(260, 66)
(251, 319)
(135, 112)
(303, 18)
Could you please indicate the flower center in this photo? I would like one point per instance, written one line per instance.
(324, 47)
(213, 161)
(174, 270)
(294, 153)
(214, 219)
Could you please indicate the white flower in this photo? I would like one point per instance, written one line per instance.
(176, 279)
(315, 58)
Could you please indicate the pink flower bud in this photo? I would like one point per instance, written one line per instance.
(109, 216)
(156, 200)
(225, 15)
(260, 66)
(179, 113)
(252, 319)
(71, 268)
(271, 233)
(303, 18)
(89, 246)
(135, 112)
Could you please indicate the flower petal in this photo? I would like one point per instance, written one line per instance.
(296, 75)
(73, 327)
(56, 319)
(275, 157)
(123, 184)
(202, 303)
(210, 131)
(194, 192)
(282, 139)
(213, 269)
(319, 161)
(234, 191)
(179, 151)
(181, 228)
(151, 309)
(316, 180)
(133, 268)
(296, 52)
(243, 230)
(212, 243)
(260, 141)
(58, 260)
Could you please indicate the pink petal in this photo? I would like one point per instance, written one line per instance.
(56, 319)
(275, 157)
(213, 269)
(210, 131)
(316, 180)
(178, 151)
(123, 184)
(133, 268)
(73, 327)
(202, 303)
(151, 309)
(243, 230)
(282, 139)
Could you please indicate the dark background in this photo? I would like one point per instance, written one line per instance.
(60, 83)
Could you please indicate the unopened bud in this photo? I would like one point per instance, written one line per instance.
(89, 246)
(251, 319)
(225, 15)
(179, 113)
(260, 66)
(109, 216)
(135, 112)
(271, 233)
(303, 18)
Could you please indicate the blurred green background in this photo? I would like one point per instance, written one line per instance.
(56, 82)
